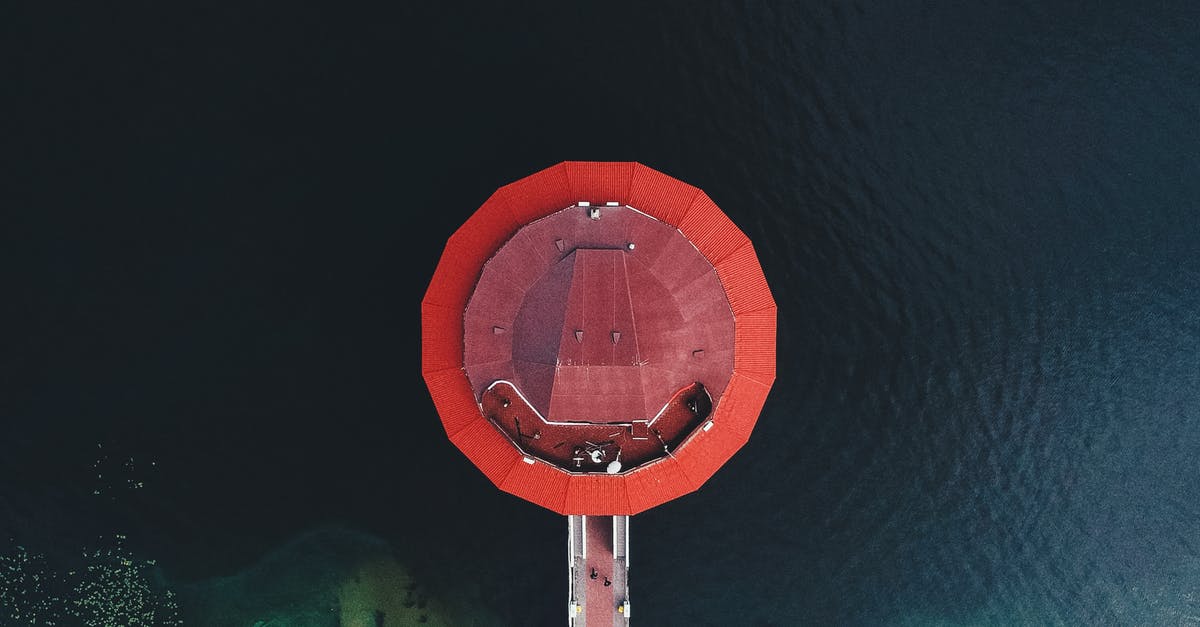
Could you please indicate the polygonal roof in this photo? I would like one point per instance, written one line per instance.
(539, 292)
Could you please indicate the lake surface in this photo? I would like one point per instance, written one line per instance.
(981, 225)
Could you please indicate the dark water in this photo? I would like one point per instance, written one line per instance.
(981, 225)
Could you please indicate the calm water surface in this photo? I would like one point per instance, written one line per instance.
(980, 225)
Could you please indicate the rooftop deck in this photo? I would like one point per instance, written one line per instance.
(585, 446)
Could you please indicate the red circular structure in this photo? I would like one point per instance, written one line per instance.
(592, 313)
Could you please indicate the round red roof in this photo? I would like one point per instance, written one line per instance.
(598, 312)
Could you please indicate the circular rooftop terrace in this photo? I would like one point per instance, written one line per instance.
(598, 338)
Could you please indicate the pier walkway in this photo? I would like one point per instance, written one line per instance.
(598, 552)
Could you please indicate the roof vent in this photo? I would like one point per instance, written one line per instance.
(594, 213)
(560, 244)
(579, 336)
(616, 336)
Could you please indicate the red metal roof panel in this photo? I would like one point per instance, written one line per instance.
(478, 238)
(754, 345)
(586, 492)
(711, 230)
(441, 337)
(453, 399)
(658, 483)
(701, 457)
(744, 282)
(452, 281)
(539, 194)
(735, 415)
(539, 483)
(664, 197)
(733, 420)
(487, 448)
(600, 181)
